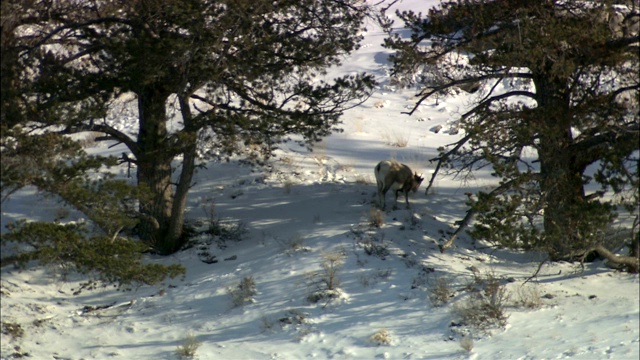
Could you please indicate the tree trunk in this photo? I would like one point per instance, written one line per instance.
(563, 195)
(561, 186)
(189, 138)
(176, 223)
(154, 171)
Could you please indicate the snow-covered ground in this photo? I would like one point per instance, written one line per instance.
(297, 213)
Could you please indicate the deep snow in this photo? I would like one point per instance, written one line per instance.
(321, 201)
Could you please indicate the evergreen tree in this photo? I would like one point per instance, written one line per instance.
(243, 73)
(559, 93)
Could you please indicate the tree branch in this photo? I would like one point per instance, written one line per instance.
(116, 134)
(444, 157)
(589, 150)
(628, 261)
(489, 101)
(433, 90)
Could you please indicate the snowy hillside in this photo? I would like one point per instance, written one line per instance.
(308, 209)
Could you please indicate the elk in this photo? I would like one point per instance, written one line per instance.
(392, 174)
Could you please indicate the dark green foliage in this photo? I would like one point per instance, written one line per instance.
(106, 260)
(40, 160)
(109, 203)
(57, 165)
(559, 96)
(502, 221)
(243, 74)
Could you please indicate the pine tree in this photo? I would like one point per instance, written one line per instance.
(559, 93)
(243, 73)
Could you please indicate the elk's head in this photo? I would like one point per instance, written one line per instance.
(416, 181)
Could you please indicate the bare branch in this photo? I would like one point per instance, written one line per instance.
(444, 157)
(433, 90)
(629, 261)
(116, 134)
(489, 101)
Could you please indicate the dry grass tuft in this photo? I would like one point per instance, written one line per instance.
(376, 217)
(325, 283)
(188, 348)
(395, 139)
(381, 337)
(440, 291)
(466, 343)
(244, 292)
(485, 306)
(529, 297)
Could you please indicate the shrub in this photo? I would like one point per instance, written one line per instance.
(376, 217)
(326, 282)
(373, 248)
(294, 244)
(223, 230)
(381, 337)
(244, 292)
(12, 329)
(395, 139)
(466, 343)
(529, 297)
(295, 317)
(227, 231)
(440, 291)
(188, 348)
(362, 179)
(484, 308)
(375, 277)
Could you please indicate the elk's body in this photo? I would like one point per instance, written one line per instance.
(399, 177)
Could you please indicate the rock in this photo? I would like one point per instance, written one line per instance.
(436, 129)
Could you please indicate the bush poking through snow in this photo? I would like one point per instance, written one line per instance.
(376, 217)
(376, 276)
(12, 329)
(372, 248)
(466, 343)
(440, 291)
(244, 292)
(294, 244)
(362, 179)
(395, 139)
(267, 324)
(325, 283)
(287, 185)
(222, 230)
(188, 348)
(227, 230)
(529, 297)
(484, 308)
(381, 337)
(294, 317)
